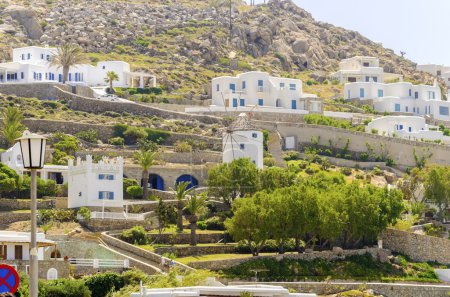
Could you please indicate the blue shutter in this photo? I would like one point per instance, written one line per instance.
(100, 195)
(294, 104)
(111, 196)
(242, 102)
(260, 102)
(234, 102)
(361, 92)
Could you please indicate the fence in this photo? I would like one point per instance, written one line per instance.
(120, 215)
(100, 263)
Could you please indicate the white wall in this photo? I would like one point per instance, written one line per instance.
(252, 146)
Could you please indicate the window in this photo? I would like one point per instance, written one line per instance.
(380, 93)
(105, 195)
(255, 135)
(241, 102)
(367, 78)
(104, 67)
(60, 77)
(409, 129)
(414, 109)
(3, 252)
(416, 95)
(375, 79)
(443, 110)
(366, 64)
(406, 108)
(410, 93)
(417, 110)
(34, 76)
(101, 176)
(361, 92)
(242, 146)
(397, 107)
(431, 95)
(29, 56)
(42, 56)
(439, 72)
(234, 102)
(260, 85)
(278, 103)
(46, 76)
(233, 88)
(18, 252)
(217, 88)
(23, 57)
(400, 127)
(70, 76)
(22, 75)
(292, 87)
(106, 176)
(261, 102)
(281, 86)
(243, 85)
(48, 57)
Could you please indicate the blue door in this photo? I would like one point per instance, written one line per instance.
(234, 102)
(241, 102)
(294, 104)
(188, 178)
(233, 88)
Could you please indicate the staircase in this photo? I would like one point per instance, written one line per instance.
(276, 149)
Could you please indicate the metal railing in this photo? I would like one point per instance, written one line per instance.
(119, 215)
(100, 263)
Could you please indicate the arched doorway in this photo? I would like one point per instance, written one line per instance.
(156, 182)
(188, 178)
(52, 274)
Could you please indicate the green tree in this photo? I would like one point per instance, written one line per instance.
(229, 181)
(68, 55)
(276, 177)
(437, 188)
(164, 215)
(195, 204)
(12, 127)
(412, 187)
(145, 159)
(9, 180)
(111, 76)
(181, 191)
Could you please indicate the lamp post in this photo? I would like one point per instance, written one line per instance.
(32, 147)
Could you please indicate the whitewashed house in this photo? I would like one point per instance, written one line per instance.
(436, 70)
(362, 69)
(32, 65)
(242, 140)
(16, 245)
(409, 127)
(259, 90)
(97, 185)
(13, 159)
(401, 97)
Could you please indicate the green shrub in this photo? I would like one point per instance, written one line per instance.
(135, 191)
(90, 135)
(135, 235)
(291, 155)
(46, 188)
(103, 283)
(182, 147)
(57, 215)
(157, 136)
(201, 225)
(85, 213)
(364, 157)
(318, 119)
(132, 134)
(66, 288)
(116, 141)
(374, 131)
(346, 171)
(269, 162)
(214, 223)
(134, 277)
(377, 171)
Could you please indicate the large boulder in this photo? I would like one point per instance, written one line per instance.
(300, 46)
(27, 18)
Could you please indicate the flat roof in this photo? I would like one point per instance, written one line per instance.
(24, 237)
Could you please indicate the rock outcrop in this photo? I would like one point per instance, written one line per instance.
(25, 17)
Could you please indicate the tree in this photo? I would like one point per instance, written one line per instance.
(12, 127)
(163, 214)
(412, 187)
(9, 180)
(67, 55)
(195, 204)
(181, 191)
(276, 177)
(145, 159)
(437, 188)
(111, 76)
(229, 181)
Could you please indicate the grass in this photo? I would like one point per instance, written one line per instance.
(173, 229)
(216, 257)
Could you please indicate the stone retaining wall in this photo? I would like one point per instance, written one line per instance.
(386, 289)
(43, 91)
(197, 250)
(12, 217)
(376, 253)
(418, 247)
(99, 225)
(44, 265)
(18, 204)
(186, 238)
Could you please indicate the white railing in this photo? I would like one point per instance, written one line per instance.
(119, 215)
(100, 263)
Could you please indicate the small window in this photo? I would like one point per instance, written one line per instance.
(101, 176)
(110, 177)
(23, 57)
(48, 57)
(42, 56)
(242, 146)
(261, 102)
(29, 56)
(104, 67)
(255, 135)
(416, 95)
(431, 95)
(414, 109)
(281, 86)
(233, 88)
(111, 195)
(410, 92)
(234, 102)
(241, 102)
(406, 108)
(443, 110)
(367, 78)
(292, 87)
(260, 83)
(380, 93)
(409, 129)
(22, 75)
(400, 127)
(375, 79)
(361, 92)
(366, 64)
(18, 252)
(397, 107)
(217, 88)
(243, 85)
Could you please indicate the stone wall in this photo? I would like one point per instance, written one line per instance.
(418, 247)
(44, 265)
(99, 225)
(43, 91)
(385, 289)
(186, 251)
(324, 255)
(185, 238)
(400, 150)
(61, 202)
(12, 217)
(17, 204)
(350, 163)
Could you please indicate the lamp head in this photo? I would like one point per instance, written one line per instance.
(32, 147)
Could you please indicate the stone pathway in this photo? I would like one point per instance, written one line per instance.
(276, 149)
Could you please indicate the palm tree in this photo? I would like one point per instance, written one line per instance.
(145, 159)
(12, 127)
(110, 77)
(68, 55)
(181, 191)
(193, 207)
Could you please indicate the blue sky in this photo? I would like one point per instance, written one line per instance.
(417, 27)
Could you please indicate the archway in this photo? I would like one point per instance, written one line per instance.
(156, 182)
(188, 178)
(52, 274)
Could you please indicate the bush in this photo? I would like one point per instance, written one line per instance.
(58, 215)
(66, 288)
(90, 135)
(46, 188)
(291, 155)
(85, 213)
(103, 283)
(132, 134)
(134, 276)
(374, 131)
(269, 162)
(318, 119)
(364, 157)
(135, 235)
(214, 223)
(346, 171)
(182, 147)
(116, 141)
(135, 191)
(157, 136)
(201, 225)
(377, 171)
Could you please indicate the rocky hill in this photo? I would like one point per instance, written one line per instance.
(185, 43)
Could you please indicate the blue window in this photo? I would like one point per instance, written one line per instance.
(104, 67)
(255, 135)
(292, 87)
(242, 146)
(48, 57)
(232, 88)
(375, 79)
(443, 110)
(105, 195)
(76, 76)
(400, 127)
(217, 88)
(278, 103)
(22, 75)
(431, 95)
(281, 86)
(101, 176)
(60, 77)
(241, 102)
(416, 95)
(361, 92)
(409, 129)
(34, 75)
(23, 57)
(414, 109)
(410, 93)
(260, 83)
(101, 195)
(29, 56)
(42, 56)
(367, 78)
(261, 102)
(397, 107)
(70, 76)
(234, 102)
(243, 85)
(380, 93)
(294, 104)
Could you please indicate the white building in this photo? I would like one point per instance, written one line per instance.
(225, 291)
(96, 184)
(436, 70)
(13, 159)
(260, 90)
(32, 64)
(362, 69)
(402, 97)
(409, 127)
(16, 245)
(242, 140)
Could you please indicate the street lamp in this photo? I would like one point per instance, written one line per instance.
(32, 147)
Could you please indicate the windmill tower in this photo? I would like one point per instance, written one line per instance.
(243, 140)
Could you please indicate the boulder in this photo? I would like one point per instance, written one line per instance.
(300, 46)
(27, 18)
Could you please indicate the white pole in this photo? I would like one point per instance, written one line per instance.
(33, 251)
